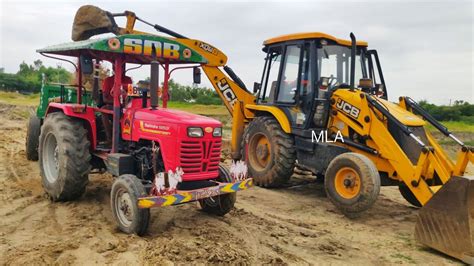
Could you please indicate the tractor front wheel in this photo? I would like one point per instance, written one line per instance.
(269, 152)
(123, 198)
(352, 183)
(221, 204)
(64, 157)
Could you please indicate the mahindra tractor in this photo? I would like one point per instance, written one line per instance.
(158, 156)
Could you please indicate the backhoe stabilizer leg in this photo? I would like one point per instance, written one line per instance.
(237, 130)
(446, 222)
(465, 155)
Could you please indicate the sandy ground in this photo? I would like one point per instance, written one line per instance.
(295, 225)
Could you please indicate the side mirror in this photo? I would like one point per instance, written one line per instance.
(366, 83)
(87, 67)
(324, 82)
(256, 87)
(196, 75)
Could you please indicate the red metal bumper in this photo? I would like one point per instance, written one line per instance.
(192, 195)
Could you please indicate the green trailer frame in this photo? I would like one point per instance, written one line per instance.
(62, 94)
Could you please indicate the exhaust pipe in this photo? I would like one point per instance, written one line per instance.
(154, 79)
(353, 55)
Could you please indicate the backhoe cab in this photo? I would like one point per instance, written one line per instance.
(302, 70)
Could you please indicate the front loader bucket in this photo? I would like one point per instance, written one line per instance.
(446, 222)
(91, 20)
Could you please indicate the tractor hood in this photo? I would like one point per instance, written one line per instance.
(165, 115)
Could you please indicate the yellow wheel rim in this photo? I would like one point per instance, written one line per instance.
(347, 183)
(259, 151)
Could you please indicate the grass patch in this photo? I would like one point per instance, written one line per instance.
(15, 98)
(19, 99)
(455, 126)
(452, 142)
(403, 257)
(407, 238)
(214, 110)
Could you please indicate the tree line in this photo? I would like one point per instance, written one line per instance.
(29, 77)
(459, 111)
(199, 95)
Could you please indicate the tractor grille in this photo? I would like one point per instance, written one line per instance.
(200, 156)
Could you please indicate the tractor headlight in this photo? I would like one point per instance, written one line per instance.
(217, 132)
(195, 132)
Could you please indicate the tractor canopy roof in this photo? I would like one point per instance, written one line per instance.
(310, 35)
(136, 48)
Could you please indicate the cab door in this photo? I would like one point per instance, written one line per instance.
(287, 81)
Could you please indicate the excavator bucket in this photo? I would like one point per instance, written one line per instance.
(446, 222)
(91, 20)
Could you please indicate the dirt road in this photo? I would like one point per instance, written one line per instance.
(296, 225)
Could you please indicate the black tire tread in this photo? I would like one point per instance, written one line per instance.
(74, 169)
(409, 196)
(226, 201)
(32, 138)
(370, 188)
(285, 157)
(142, 219)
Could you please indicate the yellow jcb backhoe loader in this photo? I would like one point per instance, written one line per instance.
(322, 103)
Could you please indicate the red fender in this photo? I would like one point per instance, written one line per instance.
(87, 114)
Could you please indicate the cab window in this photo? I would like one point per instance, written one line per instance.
(270, 75)
(289, 78)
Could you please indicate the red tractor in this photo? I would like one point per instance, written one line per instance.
(159, 156)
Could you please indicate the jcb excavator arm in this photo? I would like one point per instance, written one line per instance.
(231, 91)
(240, 103)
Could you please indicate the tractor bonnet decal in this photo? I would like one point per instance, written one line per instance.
(154, 129)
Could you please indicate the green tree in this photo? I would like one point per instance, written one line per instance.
(201, 95)
(29, 77)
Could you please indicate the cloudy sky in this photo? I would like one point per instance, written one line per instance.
(426, 47)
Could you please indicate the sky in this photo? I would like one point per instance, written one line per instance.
(425, 47)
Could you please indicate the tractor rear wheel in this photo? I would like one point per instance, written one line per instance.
(32, 138)
(123, 198)
(221, 204)
(64, 157)
(269, 152)
(352, 183)
(408, 195)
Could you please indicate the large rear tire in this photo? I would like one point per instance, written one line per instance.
(221, 204)
(271, 153)
(408, 195)
(32, 138)
(123, 199)
(352, 183)
(64, 157)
